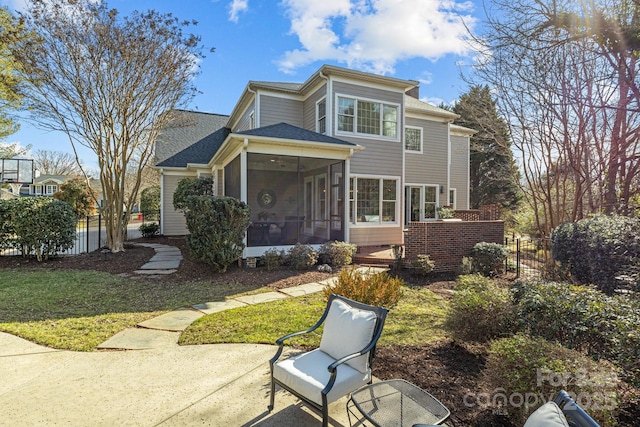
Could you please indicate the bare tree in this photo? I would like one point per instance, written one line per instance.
(571, 108)
(56, 163)
(107, 81)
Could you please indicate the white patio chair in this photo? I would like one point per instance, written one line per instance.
(341, 364)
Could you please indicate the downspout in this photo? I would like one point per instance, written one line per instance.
(162, 210)
(256, 109)
(329, 100)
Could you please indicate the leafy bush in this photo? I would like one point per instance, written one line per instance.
(189, 187)
(585, 319)
(423, 264)
(489, 258)
(465, 267)
(480, 310)
(79, 195)
(149, 229)
(337, 254)
(302, 256)
(378, 289)
(38, 225)
(150, 202)
(598, 250)
(273, 258)
(526, 372)
(217, 227)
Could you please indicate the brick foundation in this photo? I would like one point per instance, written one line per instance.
(446, 242)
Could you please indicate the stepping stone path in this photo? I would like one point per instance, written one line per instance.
(165, 330)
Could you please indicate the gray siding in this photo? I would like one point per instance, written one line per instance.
(460, 169)
(275, 110)
(245, 121)
(310, 108)
(380, 157)
(431, 166)
(173, 222)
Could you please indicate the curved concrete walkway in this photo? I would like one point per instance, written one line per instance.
(161, 383)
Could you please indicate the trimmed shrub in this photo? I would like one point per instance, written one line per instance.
(40, 225)
(599, 250)
(489, 258)
(337, 254)
(273, 258)
(149, 229)
(302, 257)
(150, 202)
(191, 187)
(217, 227)
(583, 318)
(423, 264)
(379, 289)
(480, 310)
(526, 372)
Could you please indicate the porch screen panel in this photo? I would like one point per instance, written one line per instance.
(232, 178)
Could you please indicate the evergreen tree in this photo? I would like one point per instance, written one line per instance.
(493, 172)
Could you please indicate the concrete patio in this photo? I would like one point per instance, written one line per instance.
(215, 385)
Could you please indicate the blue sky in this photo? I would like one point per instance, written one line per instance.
(288, 40)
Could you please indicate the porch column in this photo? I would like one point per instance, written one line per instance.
(243, 171)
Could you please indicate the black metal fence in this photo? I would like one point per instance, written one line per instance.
(91, 234)
(529, 257)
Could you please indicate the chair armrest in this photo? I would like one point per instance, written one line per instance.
(280, 341)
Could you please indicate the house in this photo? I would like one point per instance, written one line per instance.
(43, 185)
(345, 155)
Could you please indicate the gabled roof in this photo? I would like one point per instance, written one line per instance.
(186, 129)
(200, 152)
(57, 178)
(412, 104)
(287, 131)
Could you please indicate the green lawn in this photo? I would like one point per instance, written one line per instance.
(417, 319)
(77, 310)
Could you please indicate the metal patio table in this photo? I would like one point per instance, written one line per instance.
(396, 403)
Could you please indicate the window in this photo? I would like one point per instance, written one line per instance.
(50, 189)
(367, 117)
(321, 116)
(374, 201)
(430, 201)
(413, 139)
(452, 197)
(346, 114)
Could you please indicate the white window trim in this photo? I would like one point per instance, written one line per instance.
(420, 151)
(321, 214)
(355, 132)
(326, 120)
(252, 119)
(455, 198)
(380, 224)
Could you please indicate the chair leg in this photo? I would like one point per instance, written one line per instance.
(325, 416)
(273, 395)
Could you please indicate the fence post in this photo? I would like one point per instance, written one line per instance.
(517, 257)
(86, 229)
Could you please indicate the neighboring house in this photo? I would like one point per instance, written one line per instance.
(44, 185)
(346, 155)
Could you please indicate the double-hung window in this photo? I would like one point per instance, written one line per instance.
(321, 116)
(367, 117)
(413, 139)
(374, 200)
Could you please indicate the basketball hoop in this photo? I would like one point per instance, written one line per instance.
(16, 171)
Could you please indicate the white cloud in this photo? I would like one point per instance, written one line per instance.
(236, 7)
(374, 35)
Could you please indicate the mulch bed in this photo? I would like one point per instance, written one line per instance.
(446, 369)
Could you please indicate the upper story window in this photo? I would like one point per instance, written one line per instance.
(413, 139)
(367, 117)
(321, 116)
